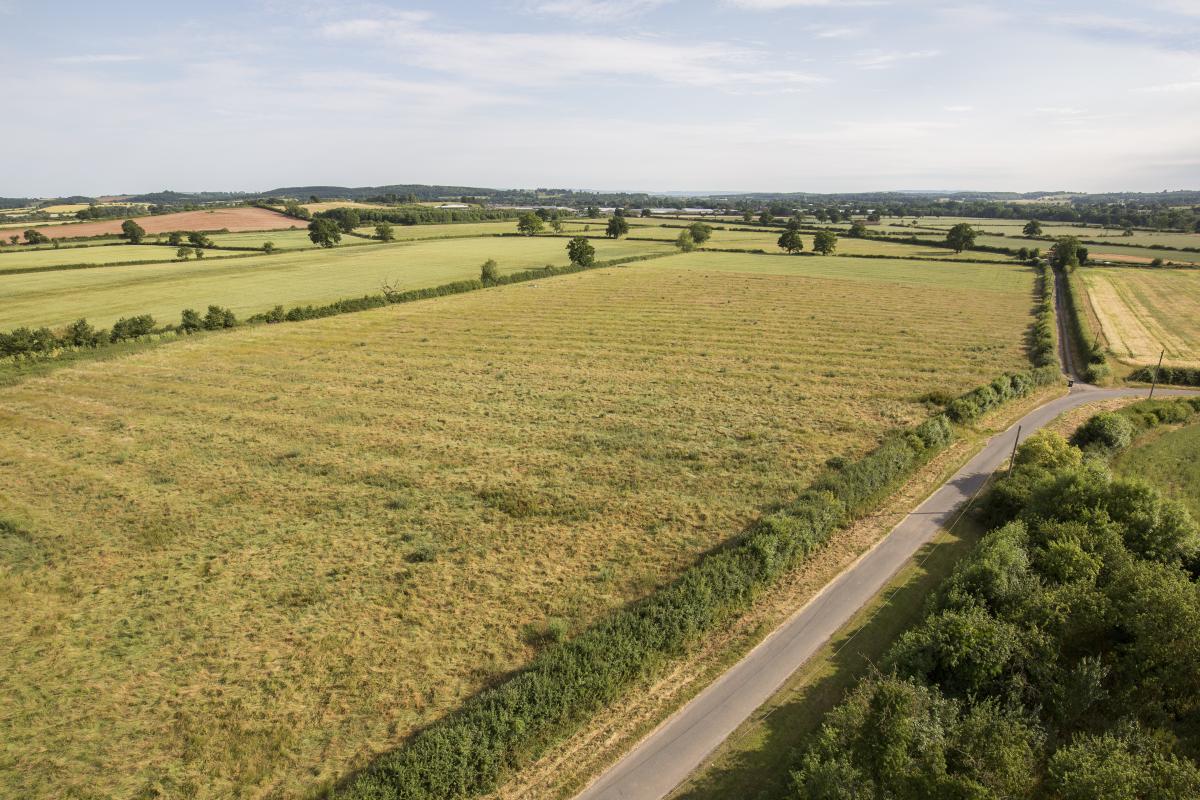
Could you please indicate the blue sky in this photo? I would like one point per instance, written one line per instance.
(783, 95)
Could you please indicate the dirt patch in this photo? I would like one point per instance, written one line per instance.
(231, 219)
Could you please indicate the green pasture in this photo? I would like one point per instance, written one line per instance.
(256, 283)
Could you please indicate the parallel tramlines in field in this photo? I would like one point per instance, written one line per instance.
(1143, 311)
(257, 558)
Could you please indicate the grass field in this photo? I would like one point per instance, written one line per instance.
(292, 240)
(110, 254)
(901, 272)
(1167, 459)
(256, 283)
(242, 218)
(413, 232)
(1143, 311)
(239, 565)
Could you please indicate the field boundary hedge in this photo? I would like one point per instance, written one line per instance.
(471, 751)
(1175, 376)
(1087, 341)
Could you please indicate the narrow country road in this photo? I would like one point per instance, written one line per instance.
(661, 761)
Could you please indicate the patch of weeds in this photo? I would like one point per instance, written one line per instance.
(18, 549)
(553, 630)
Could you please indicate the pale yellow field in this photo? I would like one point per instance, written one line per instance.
(1143, 312)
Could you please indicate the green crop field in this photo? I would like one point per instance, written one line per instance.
(98, 256)
(447, 230)
(289, 240)
(241, 564)
(1144, 311)
(256, 283)
(1167, 459)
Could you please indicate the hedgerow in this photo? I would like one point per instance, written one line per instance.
(1177, 376)
(1097, 368)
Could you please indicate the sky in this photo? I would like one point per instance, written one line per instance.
(639, 95)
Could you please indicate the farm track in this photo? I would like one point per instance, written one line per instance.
(669, 754)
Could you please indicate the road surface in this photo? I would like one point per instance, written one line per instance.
(661, 761)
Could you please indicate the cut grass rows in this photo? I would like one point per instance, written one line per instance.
(262, 546)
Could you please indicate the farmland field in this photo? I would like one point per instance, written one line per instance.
(1143, 311)
(1167, 459)
(282, 239)
(107, 254)
(256, 283)
(411, 232)
(234, 219)
(242, 564)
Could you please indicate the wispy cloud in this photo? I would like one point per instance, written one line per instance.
(550, 59)
(836, 31)
(1106, 23)
(595, 10)
(1178, 86)
(773, 5)
(100, 58)
(885, 59)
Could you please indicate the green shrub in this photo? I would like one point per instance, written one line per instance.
(1106, 429)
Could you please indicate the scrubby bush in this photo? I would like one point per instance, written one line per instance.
(1106, 429)
(217, 318)
(489, 273)
(190, 321)
(132, 327)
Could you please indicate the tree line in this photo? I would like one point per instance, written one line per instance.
(1061, 659)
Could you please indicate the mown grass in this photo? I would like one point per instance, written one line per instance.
(259, 558)
(254, 284)
(404, 233)
(285, 239)
(1143, 311)
(96, 255)
(1168, 459)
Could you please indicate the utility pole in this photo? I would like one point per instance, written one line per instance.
(1013, 459)
(1154, 382)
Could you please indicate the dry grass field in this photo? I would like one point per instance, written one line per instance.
(239, 565)
(1143, 311)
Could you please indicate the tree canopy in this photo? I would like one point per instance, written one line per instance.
(530, 224)
(961, 237)
(133, 232)
(324, 232)
(618, 226)
(581, 251)
(824, 242)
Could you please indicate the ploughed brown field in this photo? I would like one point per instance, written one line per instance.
(232, 219)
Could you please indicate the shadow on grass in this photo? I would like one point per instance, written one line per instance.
(756, 761)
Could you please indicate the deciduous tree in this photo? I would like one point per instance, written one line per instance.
(961, 237)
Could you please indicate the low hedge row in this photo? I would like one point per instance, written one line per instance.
(979, 401)
(1088, 343)
(1043, 351)
(1175, 376)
